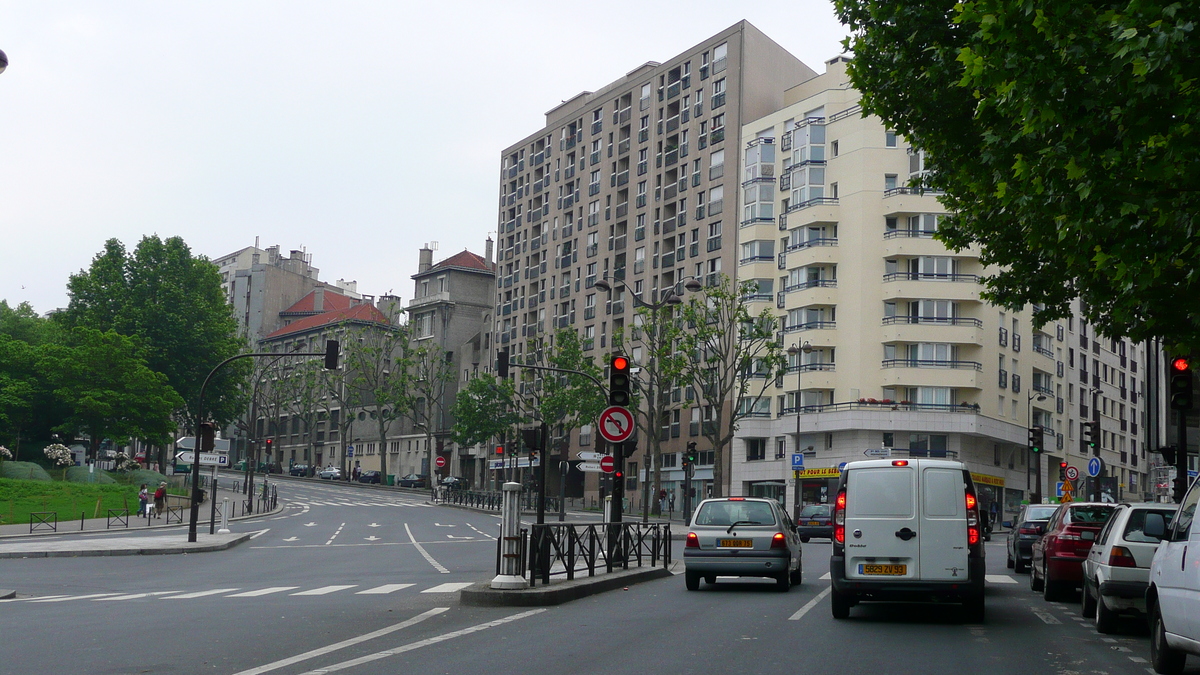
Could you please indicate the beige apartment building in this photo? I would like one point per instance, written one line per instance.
(892, 352)
(635, 183)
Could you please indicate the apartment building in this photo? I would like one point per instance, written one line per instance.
(634, 183)
(891, 350)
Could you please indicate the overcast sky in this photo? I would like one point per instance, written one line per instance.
(357, 131)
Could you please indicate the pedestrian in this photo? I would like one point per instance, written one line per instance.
(662, 501)
(671, 497)
(143, 500)
(160, 499)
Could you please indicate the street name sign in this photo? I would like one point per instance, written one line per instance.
(588, 467)
(616, 424)
(591, 456)
(878, 452)
(206, 458)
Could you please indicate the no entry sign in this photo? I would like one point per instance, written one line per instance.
(440, 462)
(608, 464)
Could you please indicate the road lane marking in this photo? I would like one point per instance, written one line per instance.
(44, 597)
(199, 594)
(325, 590)
(75, 597)
(321, 651)
(384, 589)
(335, 534)
(1046, 617)
(999, 579)
(260, 533)
(262, 591)
(135, 596)
(421, 643)
(811, 603)
(448, 588)
(824, 577)
(429, 558)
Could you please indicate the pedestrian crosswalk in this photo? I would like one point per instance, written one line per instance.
(230, 593)
(360, 504)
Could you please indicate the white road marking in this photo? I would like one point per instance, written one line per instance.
(260, 533)
(429, 558)
(450, 536)
(1046, 617)
(824, 577)
(199, 594)
(441, 525)
(811, 603)
(309, 524)
(263, 591)
(44, 597)
(325, 590)
(372, 538)
(447, 588)
(421, 643)
(76, 597)
(1138, 659)
(335, 534)
(493, 538)
(344, 643)
(135, 596)
(999, 579)
(292, 539)
(384, 589)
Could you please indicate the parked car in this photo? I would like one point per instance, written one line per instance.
(1057, 564)
(263, 467)
(1027, 528)
(908, 530)
(370, 477)
(1116, 573)
(412, 480)
(299, 470)
(741, 536)
(453, 483)
(814, 520)
(330, 473)
(1173, 598)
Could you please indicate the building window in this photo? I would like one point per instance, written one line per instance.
(756, 449)
(423, 325)
(889, 138)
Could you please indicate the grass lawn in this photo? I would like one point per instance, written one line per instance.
(19, 498)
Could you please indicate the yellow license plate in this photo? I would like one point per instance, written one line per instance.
(883, 570)
(813, 522)
(737, 543)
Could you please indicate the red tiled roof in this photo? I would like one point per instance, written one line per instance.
(464, 259)
(363, 313)
(333, 301)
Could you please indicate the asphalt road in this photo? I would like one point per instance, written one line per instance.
(363, 582)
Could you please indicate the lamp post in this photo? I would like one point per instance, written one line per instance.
(1035, 457)
(3, 61)
(669, 297)
(795, 351)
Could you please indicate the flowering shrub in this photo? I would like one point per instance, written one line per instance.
(59, 454)
(124, 462)
(5, 453)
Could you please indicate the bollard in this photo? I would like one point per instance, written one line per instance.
(81, 515)
(510, 541)
(224, 516)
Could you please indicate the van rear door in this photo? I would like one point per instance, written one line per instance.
(882, 523)
(943, 537)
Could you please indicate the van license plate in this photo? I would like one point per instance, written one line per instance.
(737, 543)
(813, 522)
(883, 570)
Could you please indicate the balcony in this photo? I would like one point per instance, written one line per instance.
(931, 363)
(756, 258)
(810, 325)
(812, 368)
(957, 330)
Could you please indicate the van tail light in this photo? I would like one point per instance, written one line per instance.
(1120, 556)
(972, 519)
(692, 541)
(839, 518)
(972, 535)
(778, 541)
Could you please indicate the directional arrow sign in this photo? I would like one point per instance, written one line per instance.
(878, 452)
(591, 456)
(291, 539)
(371, 538)
(616, 424)
(309, 524)
(589, 467)
(374, 525)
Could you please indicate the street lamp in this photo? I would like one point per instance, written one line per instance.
(669, 297)
(3, 61)
(1035, 457)
(794, 351)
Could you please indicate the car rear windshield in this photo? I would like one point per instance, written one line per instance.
(1089, 515)
(815, 511)
(726, 513)
(1137, 521)
(1040, 512)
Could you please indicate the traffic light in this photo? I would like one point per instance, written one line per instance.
(500, 449)
(1036, 438)
(502, 363)
(1168, 454)
(331, 354)
(1180, 386)
(269, 444)
(689, 457)
(1062, 470)
(1091, 433)
(207, 437)
(618, 381)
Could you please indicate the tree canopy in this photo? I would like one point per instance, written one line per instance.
(1064, 136)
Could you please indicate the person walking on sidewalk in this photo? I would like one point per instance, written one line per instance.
(143, 500)
(160, 499)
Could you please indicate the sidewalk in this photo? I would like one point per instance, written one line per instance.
(163, 544)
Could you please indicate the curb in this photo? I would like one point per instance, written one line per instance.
(7, 594)
(206, 548)
(483, 595)
(25, 535)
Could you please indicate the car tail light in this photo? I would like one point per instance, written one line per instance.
(737, 499)
(1028, 530)
(692, 541)
(1120, 556)
(778, 541)
(839, 518)
(899, 462)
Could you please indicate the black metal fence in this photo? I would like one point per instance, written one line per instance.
(490, 501)
(572, 548)
(118, 516)
(43, 520)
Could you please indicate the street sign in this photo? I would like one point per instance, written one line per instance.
(439, 462)
(1193, 474)
(1095, 466)
(1072, 473)
(206, 458)
(608, 464)
(589, 467)
(878, 452)
(591, 456)
(842, 466)
(797, 461)
(1058, 489)
(349, 450)
(616, 424)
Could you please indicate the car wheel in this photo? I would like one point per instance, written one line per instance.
(1020, 566)
(840, 604)
(798, 576)
(1011, 564)
(973, 608)
(691, 580)
(783, 582)
(1162, 656)
(1050, 588)
(1089, 603)
(1106, 619)
(1035, 584)
(804, 540)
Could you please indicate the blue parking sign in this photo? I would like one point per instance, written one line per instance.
(797, 462)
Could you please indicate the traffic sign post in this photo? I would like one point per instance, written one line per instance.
(440, 462)
(616, 424)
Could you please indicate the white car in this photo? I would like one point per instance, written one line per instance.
(330, 473)
(1173, 599)
(742, 536)
(1116, 573)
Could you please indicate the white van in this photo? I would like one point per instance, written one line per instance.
(906, 529)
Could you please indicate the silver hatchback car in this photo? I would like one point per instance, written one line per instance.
(741, 536)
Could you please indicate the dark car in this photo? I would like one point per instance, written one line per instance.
(413, 480)
(1027, 528)
(454, 483)
(299, 470)
(814, 520)
(1057, 565)
(370, 477)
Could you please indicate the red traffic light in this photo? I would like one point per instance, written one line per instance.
(620, 363)
(618, 474)
(1180, 364)
(499, 449)
(1062, 465)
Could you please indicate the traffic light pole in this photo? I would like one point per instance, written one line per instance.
(1181, 455)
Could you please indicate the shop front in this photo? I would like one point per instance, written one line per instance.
(989, 490)
(817, 486)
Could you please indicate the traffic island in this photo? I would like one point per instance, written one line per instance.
(557, 592)
(6, 594)
(98, 546)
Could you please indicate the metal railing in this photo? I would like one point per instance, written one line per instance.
(43, 520)
(932, 363)
(118, 516)
(577, 547)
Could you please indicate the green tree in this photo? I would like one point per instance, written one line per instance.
(108, 389)
(430, 372)
(378, 362)
(564, 401)
(302, 389)
(172, 303)
(1064, 136)
(732, 359)
(486, 409)
(24, 324)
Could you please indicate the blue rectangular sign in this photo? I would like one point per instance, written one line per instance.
(797, 461)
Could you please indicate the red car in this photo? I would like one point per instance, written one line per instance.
(1057, 565)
